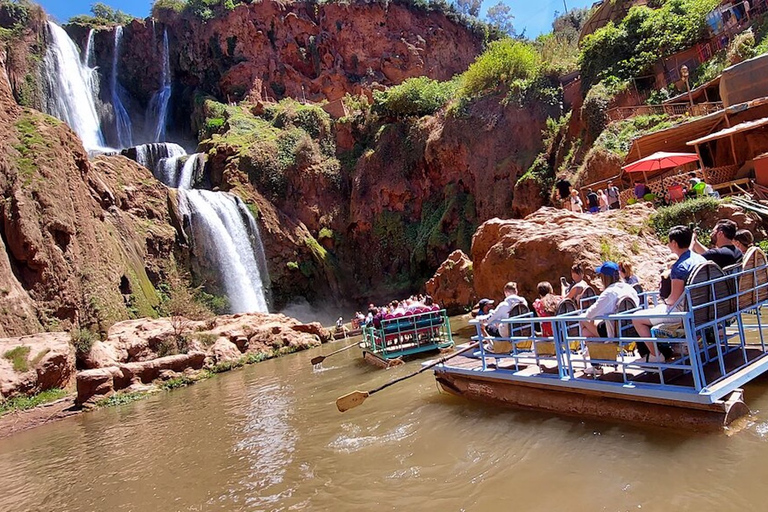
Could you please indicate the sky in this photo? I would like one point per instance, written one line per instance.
(533, 16)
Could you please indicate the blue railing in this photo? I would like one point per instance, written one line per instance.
(720, 345)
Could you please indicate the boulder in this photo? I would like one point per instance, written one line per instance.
(225, 350)
(314, 328)
(544, 245)
(47, 359)
(98, 382)
(452, 286)
(147, 371)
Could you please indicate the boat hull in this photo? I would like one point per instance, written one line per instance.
(595, 405)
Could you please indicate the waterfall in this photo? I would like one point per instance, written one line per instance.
(158, 105)
(152, 156)
(69, 88)
(89, 57)
(219, 225)
(122, 119)
(192, 166)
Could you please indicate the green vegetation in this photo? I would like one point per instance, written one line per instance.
(292, 265)
(608, 252)
(18, 356)
(684, 213)
(23, 403)
(121, 398)
(628, 49)
(103, 15)
(502, 63)
(206, 339)
(617, 137)
(178, 382)
(414, 97)
(82, 340)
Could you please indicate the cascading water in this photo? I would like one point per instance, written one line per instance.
(122, 119)
(158, 106)
(219, 224)
(152, 156)
(69, 88)
(89, 57)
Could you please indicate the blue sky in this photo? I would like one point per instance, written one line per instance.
(533, 16)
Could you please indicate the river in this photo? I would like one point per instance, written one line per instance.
(269, 437)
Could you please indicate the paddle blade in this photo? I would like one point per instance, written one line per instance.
(351, 400)
(317, 360)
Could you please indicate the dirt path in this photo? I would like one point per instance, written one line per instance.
(17, 421)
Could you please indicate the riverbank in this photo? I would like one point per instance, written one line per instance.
(136, 358)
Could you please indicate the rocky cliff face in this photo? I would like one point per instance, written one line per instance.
(80, 241)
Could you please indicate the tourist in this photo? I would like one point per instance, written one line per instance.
(626, 272)
(592, 201)
(603, 200)
(680, 243)
(613, 196)
(700, 189)
(576, 289)
(743, 240)
(483, 308)
(724, 253)
(501, 312)
(576, 203)
(640, 191)
(614, 291)
(546, 305)
(563, 187)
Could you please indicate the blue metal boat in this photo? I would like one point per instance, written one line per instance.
(717, 343)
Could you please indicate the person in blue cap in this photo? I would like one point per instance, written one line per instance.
(614, 291)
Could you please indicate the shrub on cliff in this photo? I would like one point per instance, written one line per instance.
(683, 214)
(419, 96)
(502, 63)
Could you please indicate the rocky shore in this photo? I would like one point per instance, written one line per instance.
(140, 355)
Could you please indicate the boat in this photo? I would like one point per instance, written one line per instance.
(719, 343)
(346, 332)
(399, 336)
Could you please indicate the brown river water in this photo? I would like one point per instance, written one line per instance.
(269, 437)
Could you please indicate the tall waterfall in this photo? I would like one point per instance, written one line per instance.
(158, 106)
(69, 88)
(122, 119)
(220, 233)
(89, 57)
(151, 155)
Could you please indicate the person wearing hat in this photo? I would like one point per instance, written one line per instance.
(614, 291)
(483, 308)
(492, 320)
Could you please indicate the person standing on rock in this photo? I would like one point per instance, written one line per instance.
(576, 203)
(592, 201)
(603, 200)
(613, 196)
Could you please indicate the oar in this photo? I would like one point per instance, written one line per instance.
(355, 398)
(320, 359)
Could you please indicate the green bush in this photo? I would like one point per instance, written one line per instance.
(594, 111)
(617, 137)
(502, 63)
(419, 96)
(82, 340)
(102, 15)
(684, 214)
(169, 5)
(742, 47)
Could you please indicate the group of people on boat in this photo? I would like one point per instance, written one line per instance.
(619, 282)
(410, 306)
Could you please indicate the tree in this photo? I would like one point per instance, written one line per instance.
(500, 16)
(104, 12)
(469, 7)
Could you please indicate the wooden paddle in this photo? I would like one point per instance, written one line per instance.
(355, 398)
(320, 359)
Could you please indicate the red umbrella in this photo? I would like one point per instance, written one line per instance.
(660, 160)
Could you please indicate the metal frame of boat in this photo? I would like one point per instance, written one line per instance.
(406, 335)
(722, 346)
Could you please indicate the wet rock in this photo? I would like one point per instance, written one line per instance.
(225, 350)
(452, 286)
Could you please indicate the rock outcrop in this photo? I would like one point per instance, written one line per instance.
(544, 245)
(453, 284)
(31, 364)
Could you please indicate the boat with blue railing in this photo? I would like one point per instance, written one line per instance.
(717, 343)
(400, 335)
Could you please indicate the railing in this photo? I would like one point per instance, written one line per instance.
(671, 109)
(409, 333)
(714, 351)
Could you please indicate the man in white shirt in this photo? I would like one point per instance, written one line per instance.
(615, 290)
(501, 312)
